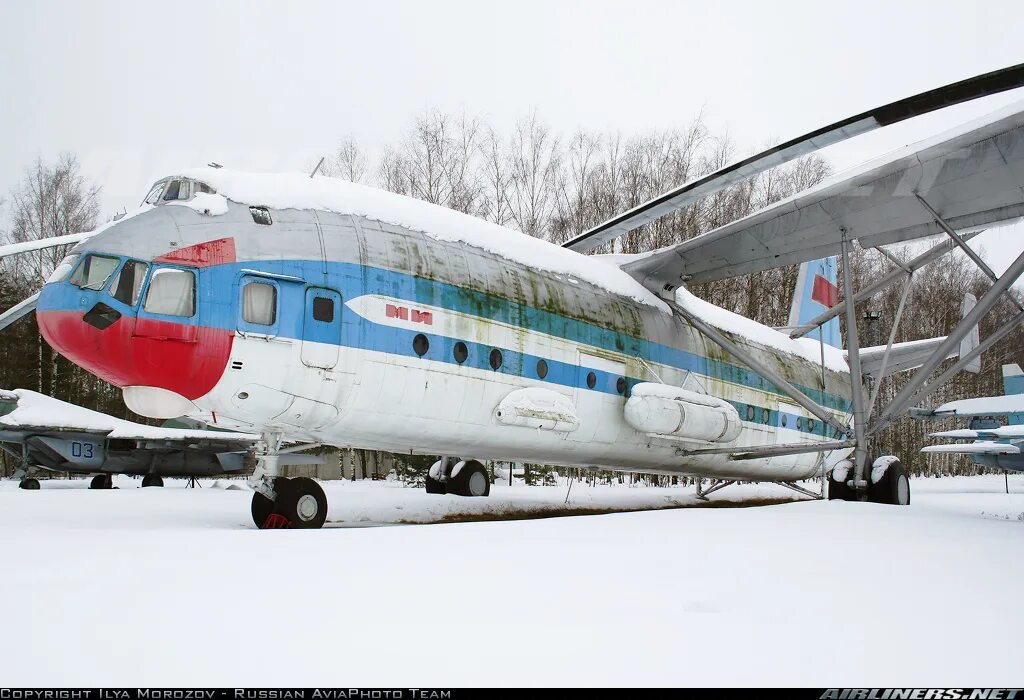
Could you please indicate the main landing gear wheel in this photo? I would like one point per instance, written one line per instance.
(435, 486)
(102, 481)
(469, 479)
(301, 503)
(837, 487)
(893, 488)
(151, 480)
(29, 484)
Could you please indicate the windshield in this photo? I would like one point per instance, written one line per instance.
(61, 272)
(94, 271)
(154, 194)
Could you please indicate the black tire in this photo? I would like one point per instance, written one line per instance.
(261, 509)
(470, 481)
(303, 502)
(434, 486)
(894, 487)
(839, 490)
(29, 484)
(151, 480)
(102, 481)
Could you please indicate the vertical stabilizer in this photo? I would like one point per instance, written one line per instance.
(816, 291)
(1013, 383)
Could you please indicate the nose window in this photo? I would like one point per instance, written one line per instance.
(94, 271)
(127, 282)
(171, 292)
(61, 272)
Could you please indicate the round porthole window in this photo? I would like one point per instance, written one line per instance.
(750, 413)
(495, 359)
(461, 352)
(542, 368)
(810, 424)
(783, 420)
(420, 344)
(799, 423)
(591, 380)
(765, 415)
(620, 385)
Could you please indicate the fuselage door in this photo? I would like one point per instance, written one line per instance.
(321, 328)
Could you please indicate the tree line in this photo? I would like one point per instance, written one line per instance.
(553, 186)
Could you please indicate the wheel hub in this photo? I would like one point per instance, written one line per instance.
(306, 508)
(477, 484)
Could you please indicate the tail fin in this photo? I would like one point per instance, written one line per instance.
(1013, 383)
(816, 291)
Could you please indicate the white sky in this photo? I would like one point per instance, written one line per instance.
(139, 89)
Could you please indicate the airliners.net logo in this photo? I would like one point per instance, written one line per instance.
(922, 694)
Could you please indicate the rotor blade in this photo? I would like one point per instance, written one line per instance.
(42, 243)
(688, 193)
(20, 309)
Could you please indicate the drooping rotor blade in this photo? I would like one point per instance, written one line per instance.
(43, 243)
(688, 193)
(20, 309)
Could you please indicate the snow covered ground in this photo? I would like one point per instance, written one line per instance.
(175, 587)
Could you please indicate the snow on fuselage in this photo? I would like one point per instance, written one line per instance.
(353, 331)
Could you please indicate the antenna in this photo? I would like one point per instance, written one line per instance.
(214, 165)
(317, 168)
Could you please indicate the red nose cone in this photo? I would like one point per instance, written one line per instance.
(187, 360)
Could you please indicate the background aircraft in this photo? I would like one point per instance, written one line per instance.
(994, 445)
(58, 436)
(331, 312)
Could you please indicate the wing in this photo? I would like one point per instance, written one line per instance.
(974, 448)
(1004, 432)
(972, 176)
(982, 406)
(28, 412)
(42, 243)
(963, 91)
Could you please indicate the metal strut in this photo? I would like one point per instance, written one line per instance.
(860, 450)
(716, 485)
(800, 489)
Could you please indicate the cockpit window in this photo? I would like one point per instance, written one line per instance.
(177, 189)
(94, 271)
(171, 292)
(127, 282)
(154, 194)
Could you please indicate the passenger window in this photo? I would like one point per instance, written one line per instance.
(172, 292)
(259, 303)
(323, 309)
(128, 281)
(93, 272)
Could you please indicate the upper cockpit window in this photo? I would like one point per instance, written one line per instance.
(261, 215)
(94, 271)
(128, 282)
(177, 189)
(171, 292)
(154, 194)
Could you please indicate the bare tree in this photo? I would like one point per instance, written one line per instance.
(535, 162)
(348, 163)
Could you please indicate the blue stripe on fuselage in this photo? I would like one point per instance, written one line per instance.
(217, 294)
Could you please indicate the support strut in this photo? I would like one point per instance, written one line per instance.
(860, 450)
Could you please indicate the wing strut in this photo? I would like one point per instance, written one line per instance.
(761, 368)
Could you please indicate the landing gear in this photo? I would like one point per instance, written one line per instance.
(301, 503)
(29, 484)
(279, 502)
(151, 480)
(463, 478)
(102, 481)
(889, 483)
(838, 489)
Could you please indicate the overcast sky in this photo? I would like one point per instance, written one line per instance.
(139, 89)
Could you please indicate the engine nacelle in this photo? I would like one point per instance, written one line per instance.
(667, 410)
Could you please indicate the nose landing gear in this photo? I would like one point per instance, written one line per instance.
(280, 502)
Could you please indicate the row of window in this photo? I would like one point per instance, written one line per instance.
(172, 292)
(460, 351)
(807, 424)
